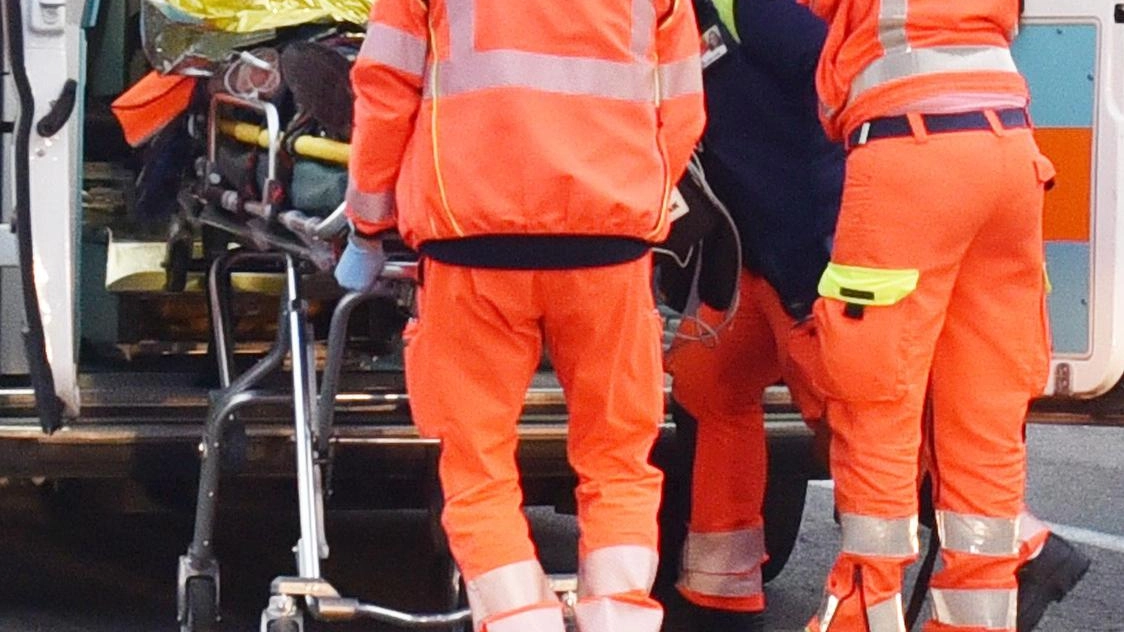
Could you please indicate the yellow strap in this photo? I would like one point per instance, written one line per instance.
(726, 14)
(867, 286)
(1046, 279)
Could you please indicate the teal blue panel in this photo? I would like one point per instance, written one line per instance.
(1059, 62)
(1068, 265)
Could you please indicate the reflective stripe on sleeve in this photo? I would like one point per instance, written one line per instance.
(993, 609)
(880, 537)
(370, 207)
(395, 48)
(978, 535)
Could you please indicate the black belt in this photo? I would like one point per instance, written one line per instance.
(898, 126)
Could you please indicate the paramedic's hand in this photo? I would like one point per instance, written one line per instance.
(361, 264)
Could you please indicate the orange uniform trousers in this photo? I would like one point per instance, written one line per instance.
(721, 382)
(470, 358)
(965, 210)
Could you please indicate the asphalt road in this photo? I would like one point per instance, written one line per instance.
(68, 566)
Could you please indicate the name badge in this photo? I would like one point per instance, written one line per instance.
(713, 46)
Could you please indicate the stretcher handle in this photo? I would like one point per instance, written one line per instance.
(326, 229)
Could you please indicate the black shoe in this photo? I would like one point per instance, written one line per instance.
(1048, 578)
(714, 620)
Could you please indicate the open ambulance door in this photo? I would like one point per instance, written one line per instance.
(1072, 54)
(43, 48)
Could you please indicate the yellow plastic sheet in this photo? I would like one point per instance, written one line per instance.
(246, 16)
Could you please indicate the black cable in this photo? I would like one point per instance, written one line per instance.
(47, 403)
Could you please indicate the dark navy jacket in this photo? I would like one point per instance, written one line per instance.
(764, 151)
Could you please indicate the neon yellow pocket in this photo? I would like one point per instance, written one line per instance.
(867, 286)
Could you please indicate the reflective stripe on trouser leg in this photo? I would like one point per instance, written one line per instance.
(967, 542)
(977, 535)
(542, 619)
(617, 569)
(884, 616)
(991, 609)
(613, 586)
(879, 537)
(502, 593)
(724, 564)
(1032, 535)
(863, 588)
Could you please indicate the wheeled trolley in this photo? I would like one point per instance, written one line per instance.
(292, 243)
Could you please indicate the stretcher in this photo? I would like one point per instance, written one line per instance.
(292, 243)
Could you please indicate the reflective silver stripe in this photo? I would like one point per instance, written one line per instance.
(827, 611)
(887, 616)
(680, 78)
(468, 70)
(881, 537)
(614, 615)
(1030, 527)
(462, 26)
(617, 569)
(978, 535)
(549, 73)
(723, 585)
(643, 27)
(728, 552)
(891, 26)
(395, 48)
(537, 619)
(923, 61)
(371, 207)
(508, 588)
(991, 609)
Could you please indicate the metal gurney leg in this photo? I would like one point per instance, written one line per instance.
(323, 601)
(198, 574)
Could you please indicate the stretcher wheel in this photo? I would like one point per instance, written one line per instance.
(284, 625)
(202, 605)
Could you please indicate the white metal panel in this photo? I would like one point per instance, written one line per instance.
(1101, 365)
(53, 48)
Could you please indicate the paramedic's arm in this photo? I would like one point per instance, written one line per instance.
(682, 111)
(387, 81)
(782, 35)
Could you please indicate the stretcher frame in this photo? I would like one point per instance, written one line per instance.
(293, 243)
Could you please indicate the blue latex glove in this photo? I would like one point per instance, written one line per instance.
(360, 264)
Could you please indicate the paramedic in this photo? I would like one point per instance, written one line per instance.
(936, 283)
(529, 157)
(767, 159)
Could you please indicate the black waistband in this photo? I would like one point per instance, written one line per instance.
(535, 252)
(898, 126)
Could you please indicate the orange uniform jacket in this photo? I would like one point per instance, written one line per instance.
(883, 55)
(486, 117)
